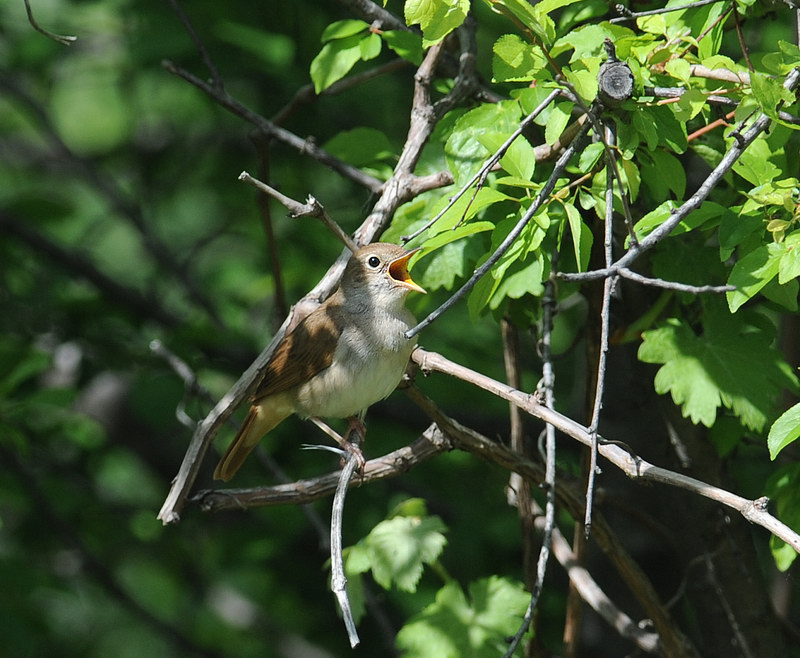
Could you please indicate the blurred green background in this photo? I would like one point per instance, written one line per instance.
(122, 222)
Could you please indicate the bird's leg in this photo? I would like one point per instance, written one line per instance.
(355, 425)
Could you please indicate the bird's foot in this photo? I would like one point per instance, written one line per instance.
(357, 430)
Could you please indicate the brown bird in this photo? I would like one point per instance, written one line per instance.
(341, 358)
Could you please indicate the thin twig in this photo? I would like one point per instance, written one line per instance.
(588, 589)
(338, 579)
(547, 188)
(740, 36)
(488, 164)
(64, 39)
(304, 146)
(216, 78)
(546, 389)
(633, 466)
(630, 15)
(605, 322)
(311, 208)
(673, 285)
(281, 309)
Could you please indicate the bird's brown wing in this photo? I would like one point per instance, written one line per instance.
(304, 352)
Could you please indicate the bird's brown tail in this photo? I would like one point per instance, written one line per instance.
(258, 422)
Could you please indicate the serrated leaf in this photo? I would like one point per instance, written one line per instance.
(557, 121)
(584, 81)
(514, 60)
(731, 363)
(334, 61)
(752, 272)
(689, 105)
(436, 18)
(454, 626)
(519, 279)
(645, 124)
(671, 132)
(399, 547)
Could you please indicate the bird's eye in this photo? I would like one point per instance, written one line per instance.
(374, 261)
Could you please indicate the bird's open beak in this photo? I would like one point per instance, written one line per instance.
(398, 270)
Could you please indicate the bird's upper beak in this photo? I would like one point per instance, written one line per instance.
(398, 270)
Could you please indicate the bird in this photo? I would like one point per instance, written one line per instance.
(347, 354)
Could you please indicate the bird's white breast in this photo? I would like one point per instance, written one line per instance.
(369, 362)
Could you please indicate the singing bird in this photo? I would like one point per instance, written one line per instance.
(344, 356)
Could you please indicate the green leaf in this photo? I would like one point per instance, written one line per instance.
(583, 75)
(751, 273)
(334, 61)
(515, 60)
(587, 40)
(690, 105)
(784, 431)
(769, 93)
(519, 159)
(436, 18)
(590, 155)
(452, 261)
(539, 23)
(645, 124)
(754, 164)
(680, 69)
(732, 363)
(582, 238)
(558, 119)
(519, 279)
(370, 47)
(464, 209)
(455, 627)
(361, 146)
(400, 546)
(463, 152)
(783, 489)
(671, 132)
(343, 29)
(789, 266)
(406, 44)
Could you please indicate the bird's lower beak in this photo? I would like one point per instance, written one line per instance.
(398, 270)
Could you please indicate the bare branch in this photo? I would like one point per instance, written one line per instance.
(633, 466)
(431, 443)
(216, 78)
(311, 208)
(672, 285)
(630, 15)
(303, 146)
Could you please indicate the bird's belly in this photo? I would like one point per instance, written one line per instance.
(350, 385)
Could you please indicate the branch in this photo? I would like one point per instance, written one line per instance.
(464, 438)
(630, 15)
(590, 591)
(311, 208)
(633, 466)
(304, 146)
(66, 40)
(430, 444)
(393, 194)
